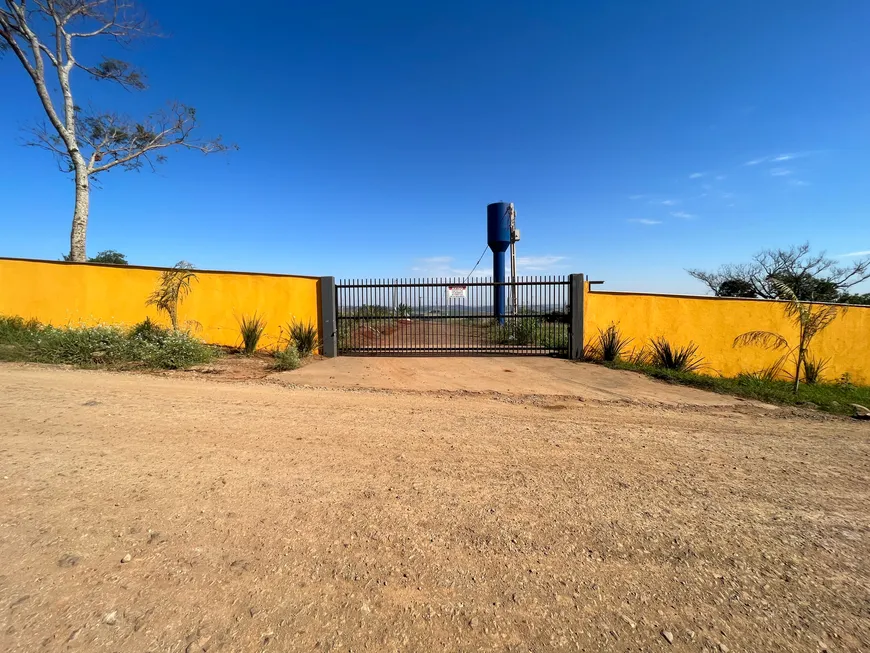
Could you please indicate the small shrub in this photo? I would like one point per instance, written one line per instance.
(558, 317)
(345, 336)
(845, 381)
(814, 369)
(611, 343)
(16, 330)
(176, 350)
(367, 310)
(767, 374)
(670, 357)
(553, 336)
(148, 331)
(639, 356)
(287, 359)
(590, 352)
(17, 336)
(83, 346)
(95, 346)
(517, 331)
(252, 329)
(12, 326)
(304, 338)
(524, 331)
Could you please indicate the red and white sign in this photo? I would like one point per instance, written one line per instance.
(457, 292)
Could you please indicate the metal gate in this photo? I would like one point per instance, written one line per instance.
(453, 316)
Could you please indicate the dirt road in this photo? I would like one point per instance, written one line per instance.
(258, 517)
(505, 375)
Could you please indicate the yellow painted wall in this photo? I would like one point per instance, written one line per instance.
(61, 293)
(713, 323)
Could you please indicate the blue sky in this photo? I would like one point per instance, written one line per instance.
(635, 138)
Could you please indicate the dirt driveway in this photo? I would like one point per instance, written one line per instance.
(502, 375)
(261, 517)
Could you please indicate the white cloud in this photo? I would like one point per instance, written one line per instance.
(636, 197)
(798, 182)
(780, 172)
(720, 177)
(435, 260)
(788, 157)
(696, 175)
(865, 252)
(539, 263)
(645, 221)
(443, 266)
(777, 158)
(666, 202)
(684, 215)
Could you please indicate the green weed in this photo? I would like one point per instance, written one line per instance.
(252, 329)
(287, 359)
(671, 357)
(304, 337)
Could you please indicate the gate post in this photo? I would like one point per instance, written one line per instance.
(328, 317)
(577, 284)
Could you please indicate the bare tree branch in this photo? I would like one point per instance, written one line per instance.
(120, 141)
(812, 276)
(14, 27)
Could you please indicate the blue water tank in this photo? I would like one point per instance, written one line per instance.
(498, 226)
(498, 236)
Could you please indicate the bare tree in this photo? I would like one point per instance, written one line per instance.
(43, 35)
(810, 276)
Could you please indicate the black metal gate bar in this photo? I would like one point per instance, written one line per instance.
(419, 316)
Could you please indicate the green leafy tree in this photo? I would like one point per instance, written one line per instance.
(736, 288)
(109, 256)
(859, 299)
(52, 40)
(810, 319)
(106, 256)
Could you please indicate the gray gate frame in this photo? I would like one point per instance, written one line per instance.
(329, 316)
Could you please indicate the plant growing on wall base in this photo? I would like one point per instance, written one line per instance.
(287, 359)
(674, 357)
(810, 320)
(304, 338)
(173, 288)
(611, 343)
(814, 369)
(252, 329)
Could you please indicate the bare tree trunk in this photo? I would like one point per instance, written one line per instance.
(797, 377)
(80, 215)
(801, 354)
